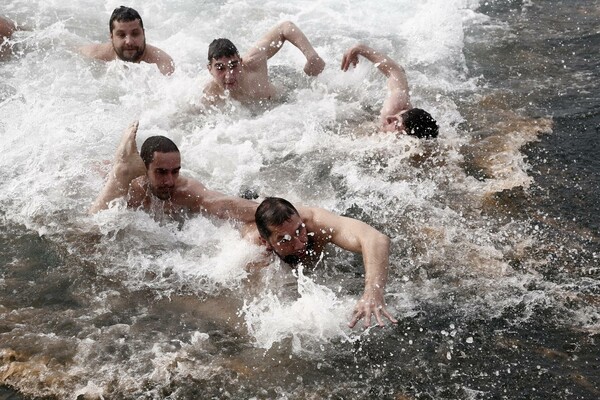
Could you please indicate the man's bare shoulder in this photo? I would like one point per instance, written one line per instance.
(189, 193)
(212, 90)
(137, 192)
(154, 55)
(102, 51)
(320, 221)
(250, 233)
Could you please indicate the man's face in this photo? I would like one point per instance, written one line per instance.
(226, 71)
(395, 123)
(162, 173)
(289, 240)
(128, 40)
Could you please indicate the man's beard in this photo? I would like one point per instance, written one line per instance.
(293, 259)
(161, 195)
(137, 56)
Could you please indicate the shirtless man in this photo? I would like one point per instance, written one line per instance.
(397, 113)
(128, 42)
(300, 235)
(247, 78)
(7, 28)
(152, 182)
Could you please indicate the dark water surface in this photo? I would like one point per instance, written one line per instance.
(531, 333)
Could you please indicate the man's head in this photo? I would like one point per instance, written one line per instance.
(224, 63)
(281, 229)
(415, 122)
(127, 34)
(163, 162)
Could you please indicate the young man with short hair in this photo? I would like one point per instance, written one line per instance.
(128, 42)
(247, 78)
(397, 113)
(151, 181)
(299, 235)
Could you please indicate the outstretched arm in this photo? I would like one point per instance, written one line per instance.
(398, 98)
(219, 204)
(273, 40)
(358, 237)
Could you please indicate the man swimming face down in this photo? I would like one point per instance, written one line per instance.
(127, 34)
(414, 122)
(282, 230)
(163, 163)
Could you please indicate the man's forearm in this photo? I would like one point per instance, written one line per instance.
(376, 261)
(290, 32)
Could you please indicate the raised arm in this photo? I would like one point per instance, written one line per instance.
(273, 40)
(398, 97)
(127, 165)
(358, 237)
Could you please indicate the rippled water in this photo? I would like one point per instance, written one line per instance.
(494, 227)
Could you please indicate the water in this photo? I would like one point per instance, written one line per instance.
(495, 247)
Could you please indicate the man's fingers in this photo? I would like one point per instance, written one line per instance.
(367, 320)
(344, 63)
(378, 317)
(355, 319)
(389, 316)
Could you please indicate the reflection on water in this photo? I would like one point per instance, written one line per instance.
(495, 246)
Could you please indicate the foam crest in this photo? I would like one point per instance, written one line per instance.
(316, 316)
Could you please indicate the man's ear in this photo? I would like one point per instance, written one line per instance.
(266, 244)
(391, 119)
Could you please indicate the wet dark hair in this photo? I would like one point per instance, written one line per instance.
(125, 14)
(418, 122)
(221, 48)
(273, 211)
(161, 144)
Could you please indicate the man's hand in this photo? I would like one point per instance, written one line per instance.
(351, 57)
(371, 303)
(314, 65)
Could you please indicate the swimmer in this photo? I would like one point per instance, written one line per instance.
(397, 113)
(7, 28)
(300, 235)
(128, 43)
(150, 180)
(247, 78)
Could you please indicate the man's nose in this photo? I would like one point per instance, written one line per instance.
(299, 243)
(170, 180)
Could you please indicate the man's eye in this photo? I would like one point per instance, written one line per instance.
(219, 67)
(285, 239)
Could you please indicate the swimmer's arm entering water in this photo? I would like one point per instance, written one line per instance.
(398, 96)
(273, 40)
(358, 237)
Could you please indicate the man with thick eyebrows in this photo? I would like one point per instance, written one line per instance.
(299, 235)
(128, 42)
(151, 181)
(246, 78)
